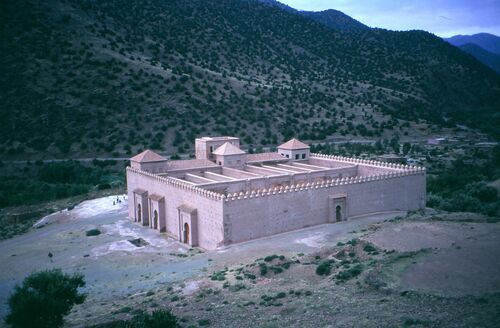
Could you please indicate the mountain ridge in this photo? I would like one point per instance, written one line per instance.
(330, 17)
(487, 41)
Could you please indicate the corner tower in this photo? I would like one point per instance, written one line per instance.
(205, 146)
(294, 149)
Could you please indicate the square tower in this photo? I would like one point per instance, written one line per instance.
(205, 146)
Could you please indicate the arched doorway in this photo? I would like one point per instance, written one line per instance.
(338, 213)
(155, 220)
(139, 213)
(186, 233)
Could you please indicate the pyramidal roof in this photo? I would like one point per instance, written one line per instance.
(294, 144)
(228, 149)
(148, 156)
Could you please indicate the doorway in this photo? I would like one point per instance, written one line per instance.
(186, 233)
(337, 208)
(155, 220)
(338, 213)
(139, 213)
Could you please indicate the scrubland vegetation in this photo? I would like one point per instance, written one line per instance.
(40, 182)
(463, 187)
(90, 78)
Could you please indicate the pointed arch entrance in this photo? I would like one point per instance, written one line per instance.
(338, 208)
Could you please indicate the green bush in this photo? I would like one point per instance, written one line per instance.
(93, 232)
(271, 258)
(324, 268)
(44, 298)
(103, 186)
(350, 273)
(263, 269)
(218, 275)
(369, 248)
(161, 318)
(463, 187)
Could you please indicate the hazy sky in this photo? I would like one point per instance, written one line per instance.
(441, 17)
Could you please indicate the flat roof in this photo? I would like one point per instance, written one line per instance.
(208, 177)
(218, 138)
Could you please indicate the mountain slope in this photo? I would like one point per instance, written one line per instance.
(86, 78)
(335, 19)
(488, 58)
(487, 41)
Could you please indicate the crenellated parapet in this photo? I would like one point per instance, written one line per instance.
(399, 171)
(265, 192)
(179, 184)
(353, 160)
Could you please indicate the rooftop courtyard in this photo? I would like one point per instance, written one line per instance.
(222, 166)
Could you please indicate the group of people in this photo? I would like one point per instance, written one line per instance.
(118, 200)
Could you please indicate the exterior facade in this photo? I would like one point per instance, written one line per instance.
(226, 196)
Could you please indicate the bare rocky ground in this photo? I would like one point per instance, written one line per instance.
(432, 270)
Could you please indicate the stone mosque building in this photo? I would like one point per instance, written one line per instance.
(226, 195)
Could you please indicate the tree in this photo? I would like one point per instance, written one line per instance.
(406, 148)
(44, 298)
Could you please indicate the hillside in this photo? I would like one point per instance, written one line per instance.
(484, 56)
(86, 78)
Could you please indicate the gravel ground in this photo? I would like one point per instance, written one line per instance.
(422, 272)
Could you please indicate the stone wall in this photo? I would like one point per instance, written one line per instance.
(153, 167)
(250, 216)
(208, 205)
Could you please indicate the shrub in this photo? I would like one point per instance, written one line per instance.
(161, 318)
(324, 268)
(352, 242)
(44, 298)
(93, 232)
(369, 248)
(237, 287)
(125, 309)
(263, 269)
(281, 295)
(276, 269)
(218, 275)
(103, 186)
(203, 322)
(270, 258)
(250, 275)
(350, 273)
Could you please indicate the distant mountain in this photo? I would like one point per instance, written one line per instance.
(335, 19)
(94, 78)
(488, 42)
(488, 58)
